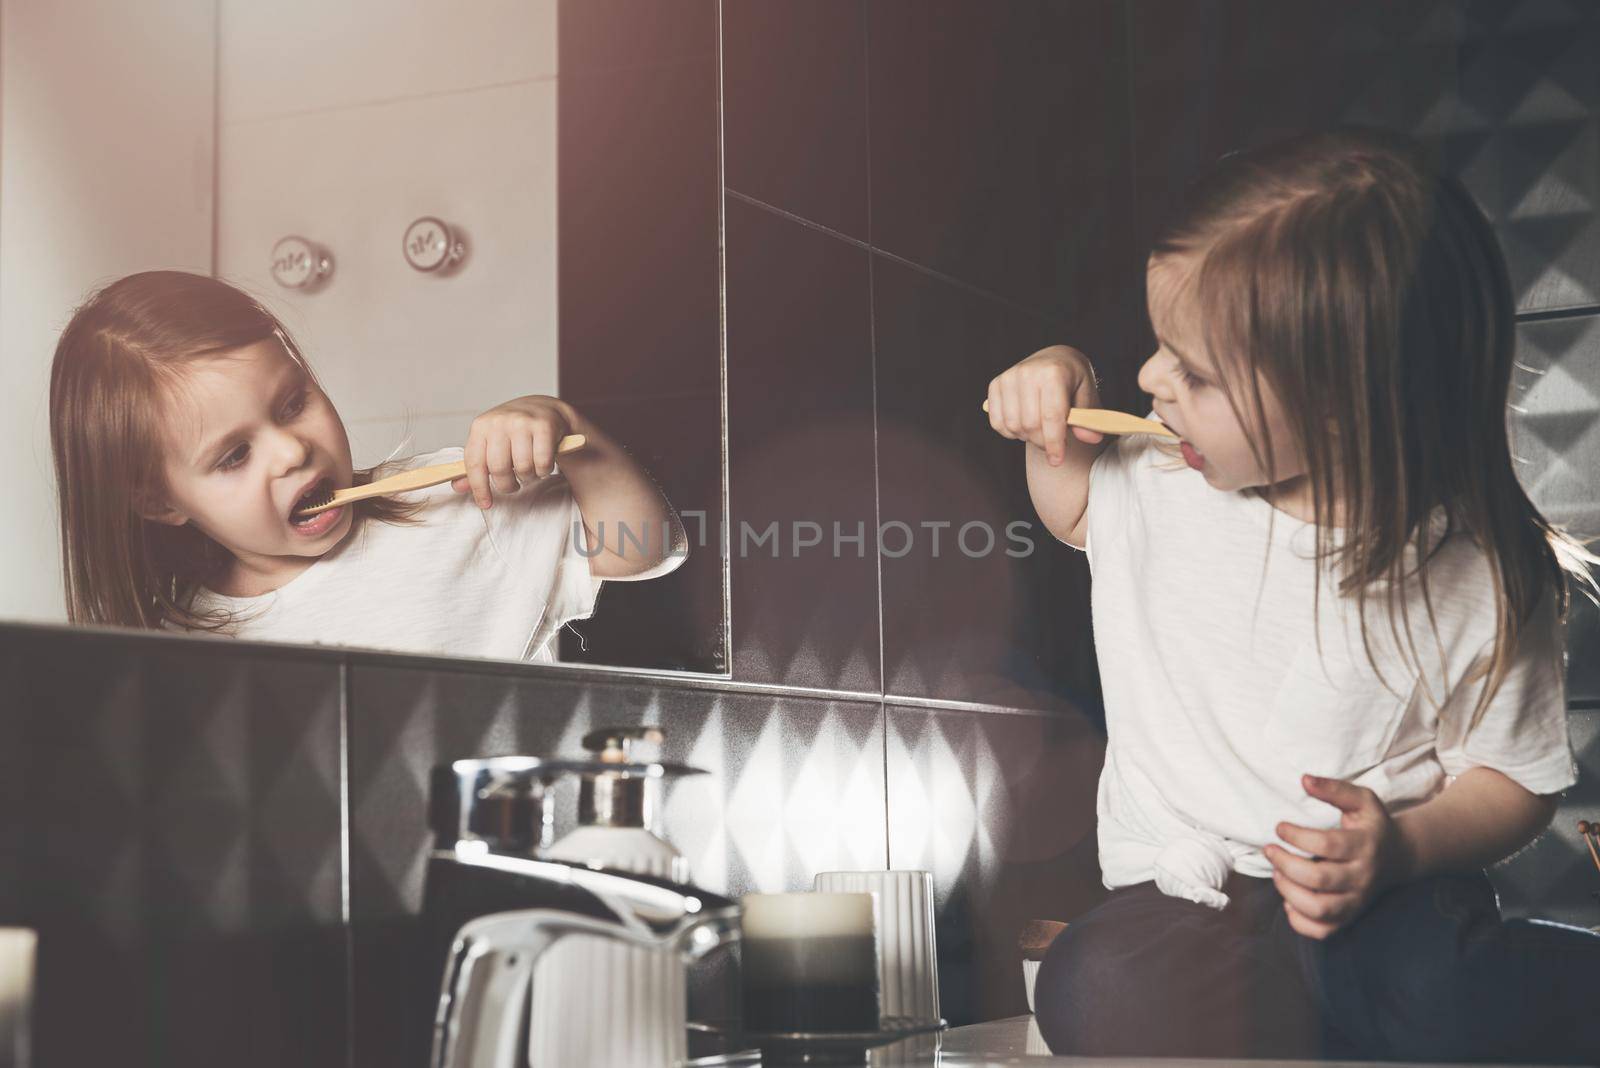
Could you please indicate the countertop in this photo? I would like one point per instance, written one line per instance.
(1016, 1041)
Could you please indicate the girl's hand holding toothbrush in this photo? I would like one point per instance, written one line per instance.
(513, 444)
(1350, 865)
(1030, 401)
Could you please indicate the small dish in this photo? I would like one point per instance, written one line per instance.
(835, 1047)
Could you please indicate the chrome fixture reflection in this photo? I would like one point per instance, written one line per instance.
(433, 246)
(301, 264)
(496, 895)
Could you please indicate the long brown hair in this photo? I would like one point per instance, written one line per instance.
(1369, 291)
(114, 365)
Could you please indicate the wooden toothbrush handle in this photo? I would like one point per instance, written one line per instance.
(1106, 421)
(423, 477)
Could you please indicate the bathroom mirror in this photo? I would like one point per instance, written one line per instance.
(447, 208)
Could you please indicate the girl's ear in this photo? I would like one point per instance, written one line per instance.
(158, 510)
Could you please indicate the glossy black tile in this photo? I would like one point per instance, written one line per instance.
(603, 35)
(794, 80)
(176, 820)
(637, 217)
(980, 601)
(1219, 75)
(1000, 141)
(800, 446)
(1001, 809)
(675, 622)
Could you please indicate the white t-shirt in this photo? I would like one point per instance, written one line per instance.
(1215, 700)
(459, 582)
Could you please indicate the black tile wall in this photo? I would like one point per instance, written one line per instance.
(959, 183)
(1000, 137)
(640, 296)
(794, 79)
(174, 835)
(800, 447)
(638, 232)
(596, 36)
(990, 611)
(1000, 808)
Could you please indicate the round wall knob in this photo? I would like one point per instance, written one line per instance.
(300, 264)
(433, 245)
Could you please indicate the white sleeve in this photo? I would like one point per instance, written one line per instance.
(1523, 732)
(1111, 493)
(538, 532)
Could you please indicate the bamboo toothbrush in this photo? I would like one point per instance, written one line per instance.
(1106, 421)
(418, 478)
(1590, 832)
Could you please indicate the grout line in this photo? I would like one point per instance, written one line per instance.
(652, 65)
(756, 202)
(1576, 312)
(888, 843)
(722, 349)
(344, 863)
(387, 101)
(877, 481)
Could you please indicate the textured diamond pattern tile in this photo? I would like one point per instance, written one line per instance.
(1000, 808)
(789, 778)
(1503, 94)
(179, 849)
(1554, 423)
(1555, 418)
(1555, 878)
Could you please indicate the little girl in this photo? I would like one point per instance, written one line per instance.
(1330, 628)
(187, 429)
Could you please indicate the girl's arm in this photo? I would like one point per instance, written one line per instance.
(1480, 818)
(1030, 402)
(629, 526)
(621, 506)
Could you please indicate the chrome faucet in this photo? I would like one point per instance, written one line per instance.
(492, 904)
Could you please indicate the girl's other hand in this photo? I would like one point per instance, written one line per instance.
(1030, 402)
(512, 444)
(1350, 865)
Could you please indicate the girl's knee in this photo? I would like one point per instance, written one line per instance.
(1086, 992)
(1134, 987)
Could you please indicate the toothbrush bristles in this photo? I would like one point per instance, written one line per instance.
(312, 502)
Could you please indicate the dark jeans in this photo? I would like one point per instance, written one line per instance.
(1429, 971)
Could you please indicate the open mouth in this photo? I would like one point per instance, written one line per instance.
(1191, 456)
(321, 492)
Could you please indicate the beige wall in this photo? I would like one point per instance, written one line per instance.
(342, 123)
(107, 111)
